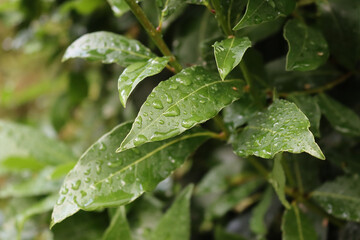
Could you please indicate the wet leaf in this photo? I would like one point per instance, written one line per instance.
(191, 97)
(119, 7)
(103, 178)
(108, 47)
(168, 7)
(340, 198)
(259, 11)
(137, 72)
(175, 224)
(280, 128)
(308, 48)
(342, 118)
(296, 226)
(119, 227)
(228, 54)
(257, 221)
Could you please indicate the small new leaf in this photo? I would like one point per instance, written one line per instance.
(119, 7)
(119, 227)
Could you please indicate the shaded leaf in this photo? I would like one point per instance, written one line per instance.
(103, 178)
(175, 224)
(342, 118)
(259, 11)
(257, 221)
(221, 234)
(229, 52)
(137, 72)
(119, 7)
(108, 47)
(296, 226)
(191, 97)
(168, 7)
(281, 128)
(340, 198)
(119, 227)
(277, 179)
(308, 48)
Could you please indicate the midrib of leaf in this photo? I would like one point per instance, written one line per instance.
(335, 195)
(298, 222)
(210, 134)
(227, 54)
(176, 103)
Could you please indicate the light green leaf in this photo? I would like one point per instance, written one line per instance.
(308, 48)
(119, 227)
(81, 6)
(277, 179)
(175, 224)
(108, 48)
(342, 118)
(229, 52)
(62, 170)
(119, 7)
(296, 226)
(192, 96)
(259, 11)
(257, 221)
(309, 106)
(22, 142)
(168, 7)
(19, 164)
(137, 72)
(340, 198)
(280, 128)
(103, 178)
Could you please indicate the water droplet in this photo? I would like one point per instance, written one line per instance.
(138, 121)
(163, 135)
(188, 123)
(102, 146)
(64, 191)
(114, 164)
(87, 171)
(61, 200)
(168, 98)
(161, 122)
(157, 104)
(87, 179)
(140, 139)
(172, 112)
(76, 185)
(83, 193)
(173, 86)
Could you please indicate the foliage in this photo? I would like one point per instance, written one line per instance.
(197, 119)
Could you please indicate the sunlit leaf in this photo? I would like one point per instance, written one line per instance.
(191, 97)
(119, 227)
(308, 48)
(137, 72)
(281, 128)
(103, 178)
(119, 7)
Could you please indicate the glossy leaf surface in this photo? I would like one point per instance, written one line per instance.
(175, 224)
(278, 180)
(119, 227)
(259, 11)
(296, 226)
(308, 48)
(108, 47)
(119, 7)
(340, 198)
(191, 97)
(137, 72)
(281, 128)
(342, 118)
(229, 52)
(103, 178)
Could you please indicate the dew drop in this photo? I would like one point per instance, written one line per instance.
(173, 86)
(102, 146)
(188, 123)
(60, 200)
(168, 98)
(161, 122)
(172, 112)
(157, 104)
(76, 185)
(83, 193)
(140, 139)
(64, 191)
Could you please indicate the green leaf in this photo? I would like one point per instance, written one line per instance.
(309, 106)
(62, 170)
(308, 48)
(137, 72)
(192, 96)
(175, 224)
(296, 226)
(340, 198)
(103, 178)
(229, 52)
(221, 234)
(257, 221)
(342, 118)
(108, 48)
(119, 7)
(81, 6)
(22, 142)
(119, 227)
(259, 11)
(280, 128)
(277, 179)
(168, 7)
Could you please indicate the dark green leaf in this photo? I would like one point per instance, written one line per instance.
(175, 224)
(137, 72)
(296, 226)
(342, 118)
(340, 198)
(119, 7)
(257, 221)
(259, 11)
(108, 48)
(119, 227)
(308, 48)
(103, 178)
(278, 180)
(229, 52)
(192, 96)
(281, 128)
(309, 106)
(221, 234)
(168, 7)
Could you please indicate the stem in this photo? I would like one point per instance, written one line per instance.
(221, 18)
(248, 80)
(220, 123)
(154, 35)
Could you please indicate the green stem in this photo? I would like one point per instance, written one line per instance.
(154, 35)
